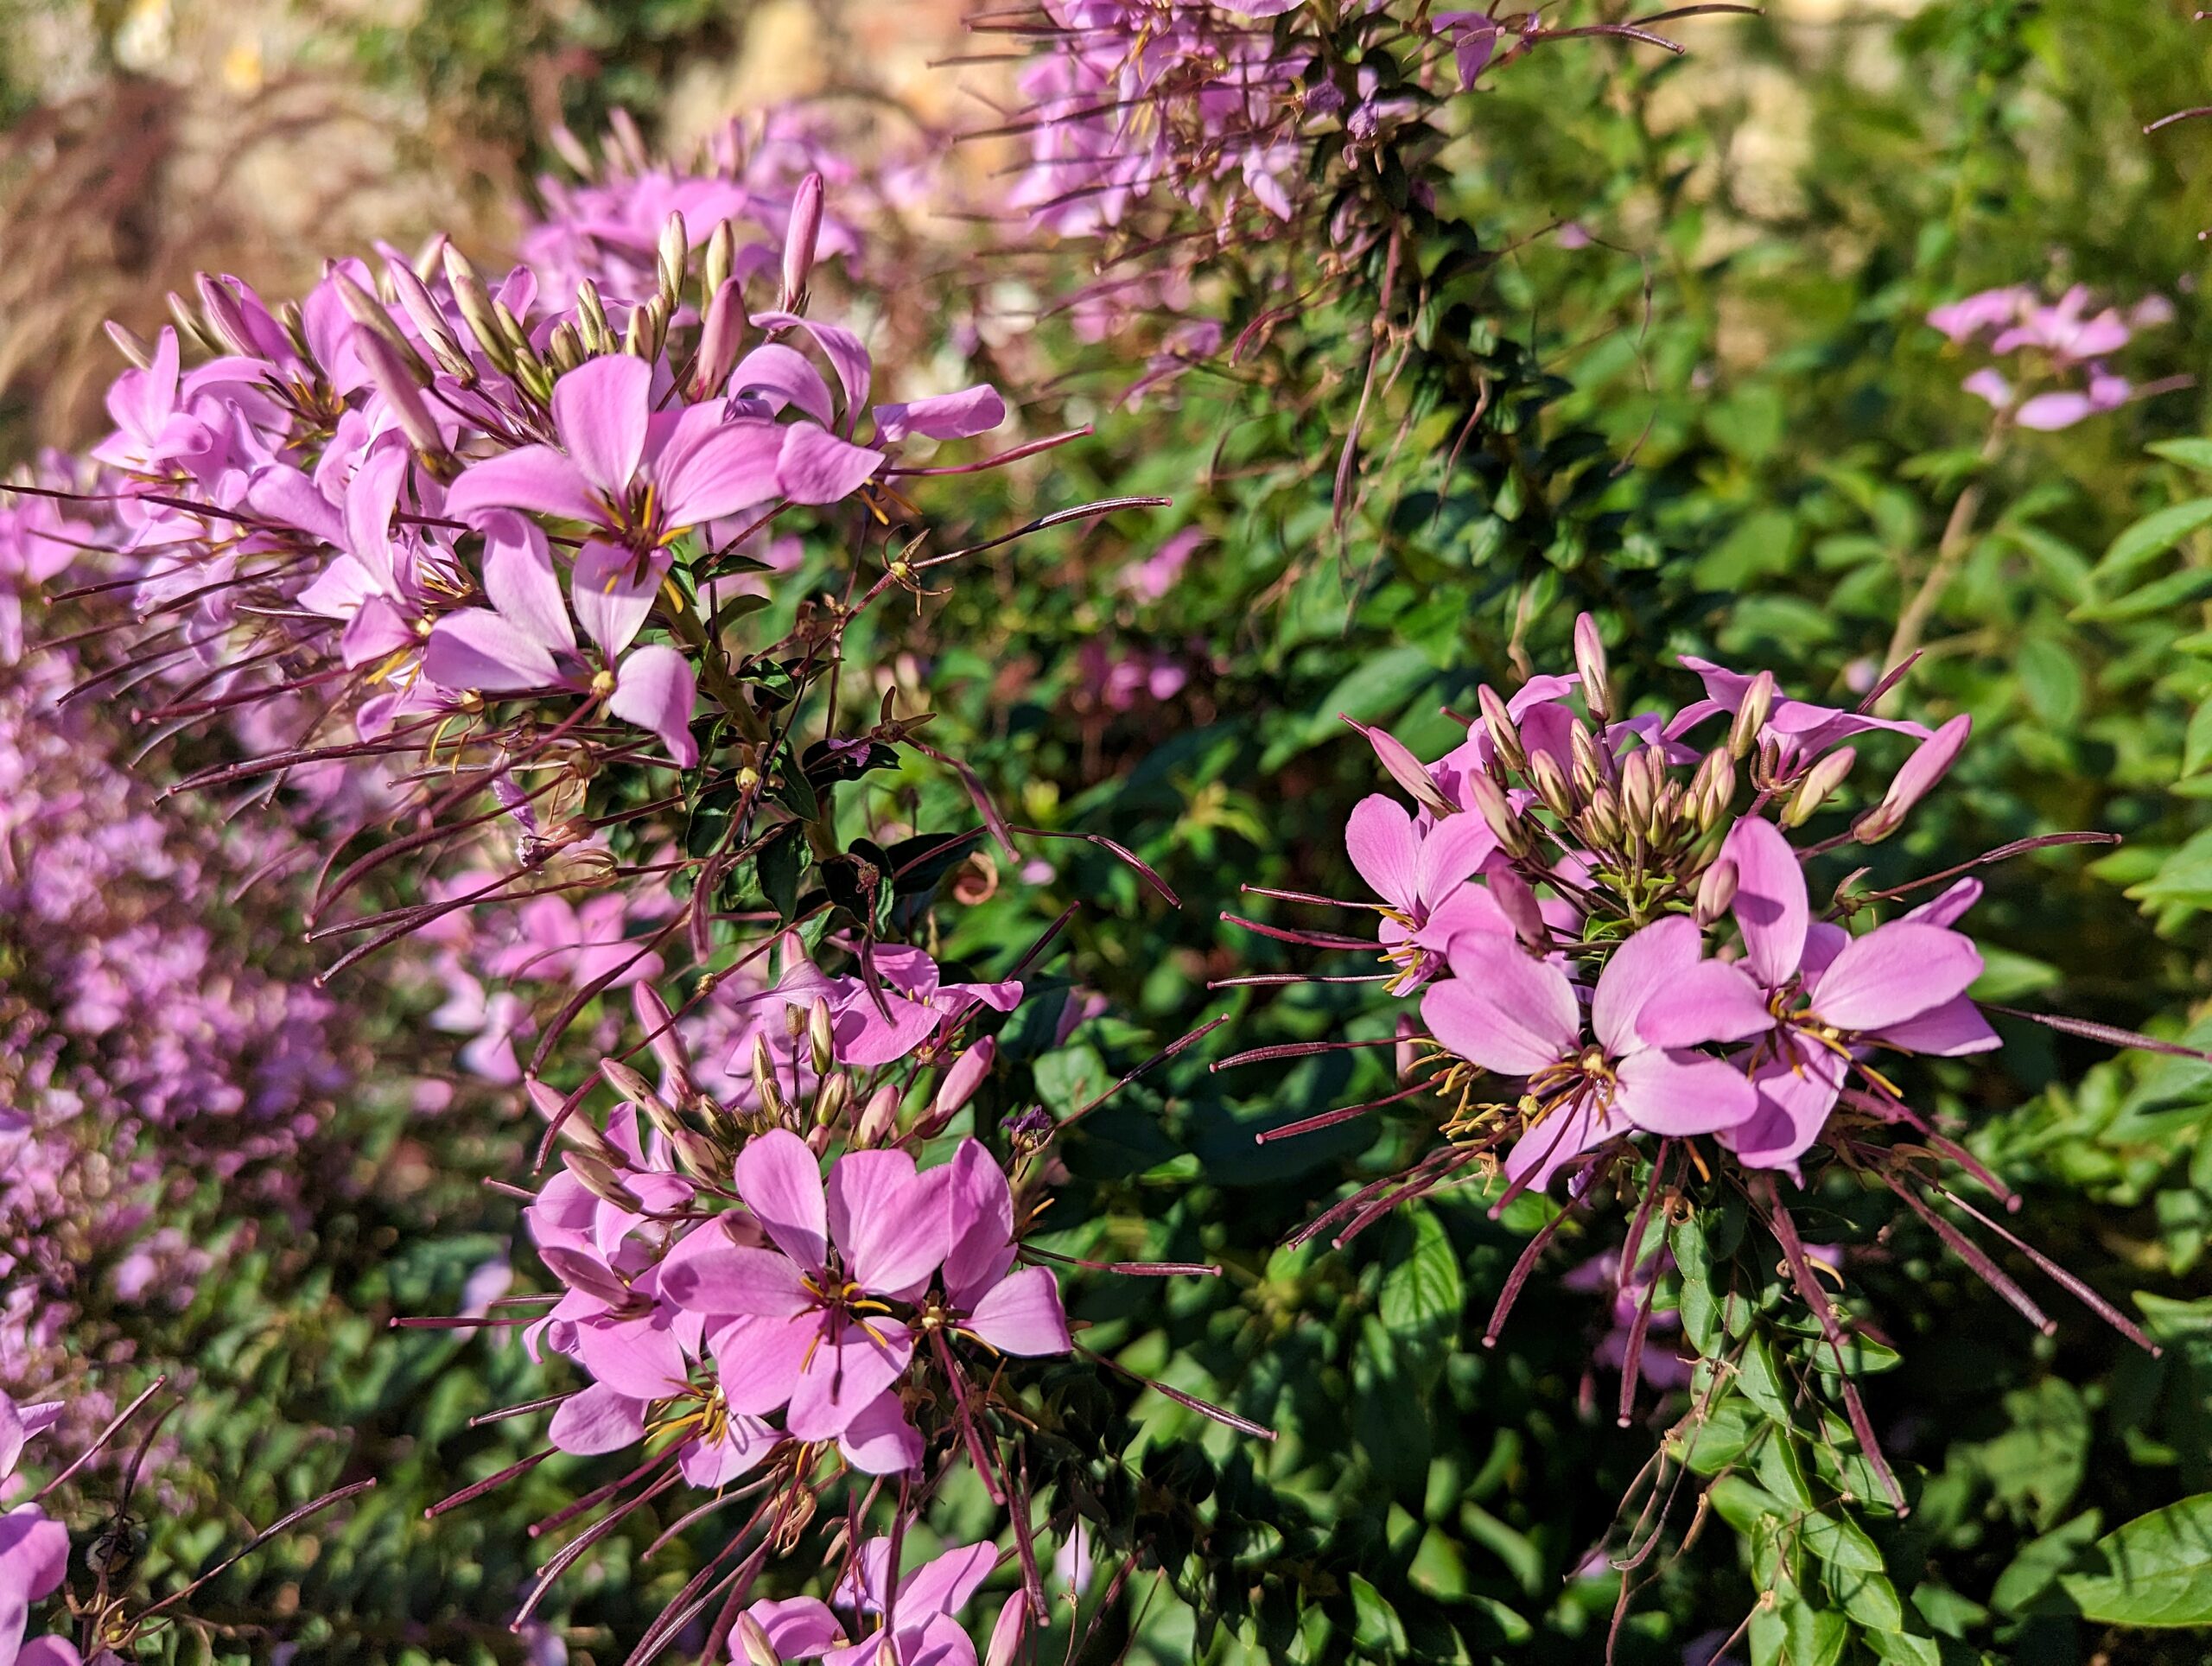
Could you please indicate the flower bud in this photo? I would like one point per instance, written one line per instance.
(1820, 781)
(673, 258)
(1716, 891)
(639, 1092)
(1712, 789)
(648, 327)
(700, 1156)
(477, 311)
(1520, 906)
(753, 1645)
(1931, 761)
(1639, 784)
(402, 394)
(720, 259)
(191, 329)
(225, 320)
(1592, 763)
(878, 1117)
(1550, 782)
(591, 318)
(772, 1104)
(429, 321)
(800, 239)
(570, 150)
(129, 343)
(1602, 820)
(1751, 715)
(1590, 666)
(1505, 737)
(565, 348)
(831, 1098)
(600, 1178)
(821, 1035)
(1009, 1632)
(370, 314)
(1407, 771)
(719, 338)
(1494, 807)
(966, 1075)
(659, 1023)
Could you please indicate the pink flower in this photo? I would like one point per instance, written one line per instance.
(1505, 1011)
(800, 1325)
(1426, 881)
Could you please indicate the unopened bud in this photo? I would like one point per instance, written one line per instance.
(369, 314)
(1518, 903)
(1590, 666)
(1716, 891)
(659, 1023)
(601, 1179)
(1712, 789)
(1009, 1632)
(225, 320)
(191, 329)
(429, 321)
(1640, 779)
(673, 257)
(1592, 764)
(591, 318)
(1931, 761)
(878, 1117)
(133, 346)
(1820, 781)
(565, 348)
(512, 331)
(478, 310)
(720, 258)
(1751, 715)
(966, 1075)
(831, 1097)
(753, 1642)
(771, 1095)
(702, 1156)
(1550, 782)
(1407, 771)
(642, 339)
(1495, 808)
(402, 393)
(721, 337)
(1602, 820)
(799, 237)
(1505, 737)
(570, 150)
(639, 1092)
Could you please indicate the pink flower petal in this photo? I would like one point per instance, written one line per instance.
(757, 1360)
(657, 690)
(638, 1356)
(944, 417)
(1771, 905)
(981, 1204)
(537, 478)
(518, 577)
(879, 1440)
(728, 1278)
(1712, 1001)
(477, 649)
(600, 411)
(1680, 1091)
(1796, 1092)
(842, 1374)
(1023, 1315)
(1645, 965)
(736, 465)
(1894, 972)
(1949, 1031)
(781, 1183)
(891, 1224)
(612, 590)
(1379, 839)
(600, 1418)
(1559, 1139)
(817, 466)
(1503, 1009)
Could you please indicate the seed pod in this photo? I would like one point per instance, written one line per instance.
(1504, 738)
(1820, 782)
(1716, 891)
(1752, 715)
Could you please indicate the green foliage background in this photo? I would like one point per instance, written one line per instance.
(1723, 427)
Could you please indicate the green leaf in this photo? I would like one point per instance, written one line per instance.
(1841, 1543)
(780, 863)
(2160, 596)
(2151, 536)
(2157, 1569)
(1067, 1078)
(1422, 1294)
(2195, 453)
(2196, 749)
